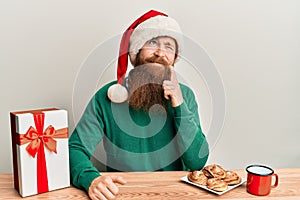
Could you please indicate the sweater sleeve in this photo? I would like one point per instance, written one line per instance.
(82, 143)
(191, 141)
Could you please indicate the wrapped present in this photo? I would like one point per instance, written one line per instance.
(40, 150)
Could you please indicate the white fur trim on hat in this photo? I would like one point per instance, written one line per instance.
(152, 28)
(117, 93)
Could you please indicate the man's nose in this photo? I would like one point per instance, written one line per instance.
(160, 52)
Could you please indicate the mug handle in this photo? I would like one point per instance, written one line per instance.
(276, 181)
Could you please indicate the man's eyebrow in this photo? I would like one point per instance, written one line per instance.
(169, 44)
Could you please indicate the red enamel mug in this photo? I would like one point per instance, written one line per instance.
(259, 180)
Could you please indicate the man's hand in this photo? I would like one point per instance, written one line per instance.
(104, 187)
(172, 90)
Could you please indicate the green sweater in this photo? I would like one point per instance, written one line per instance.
(137, 141)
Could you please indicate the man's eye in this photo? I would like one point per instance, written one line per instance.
(153, 43)
(170, 48)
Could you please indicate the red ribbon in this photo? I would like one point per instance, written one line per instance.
(37, 139)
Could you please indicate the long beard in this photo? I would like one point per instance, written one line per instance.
(145, 87)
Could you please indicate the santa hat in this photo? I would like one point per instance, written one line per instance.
(150, 25)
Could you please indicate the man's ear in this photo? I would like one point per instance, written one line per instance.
(176, 53)
(176, 56)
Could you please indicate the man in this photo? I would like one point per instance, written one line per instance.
(148, 121)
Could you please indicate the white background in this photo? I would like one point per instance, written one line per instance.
(254, 44)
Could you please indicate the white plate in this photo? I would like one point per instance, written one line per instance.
(230, 187)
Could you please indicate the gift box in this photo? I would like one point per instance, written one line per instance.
(40, 150)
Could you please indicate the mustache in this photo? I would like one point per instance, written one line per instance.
(155, 59)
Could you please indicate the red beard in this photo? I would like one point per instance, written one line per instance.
(152, 59)
(145, 87)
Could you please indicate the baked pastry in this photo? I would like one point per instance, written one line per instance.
(214, 177)
(217, 184)
(214, 171)
(197, 177)
(232, 178)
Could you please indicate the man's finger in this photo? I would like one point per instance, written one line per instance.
(166, 95)
(173, 74)
(96, 195)
(118, 179)
(110, 188)
(167, 85)
(108, 193)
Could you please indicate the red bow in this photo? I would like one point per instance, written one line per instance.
(37, 138)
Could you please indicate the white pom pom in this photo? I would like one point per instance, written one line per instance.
(117, 93)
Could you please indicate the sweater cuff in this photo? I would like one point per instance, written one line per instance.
(182, 110)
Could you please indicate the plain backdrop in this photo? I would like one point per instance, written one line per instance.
(254, 45)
